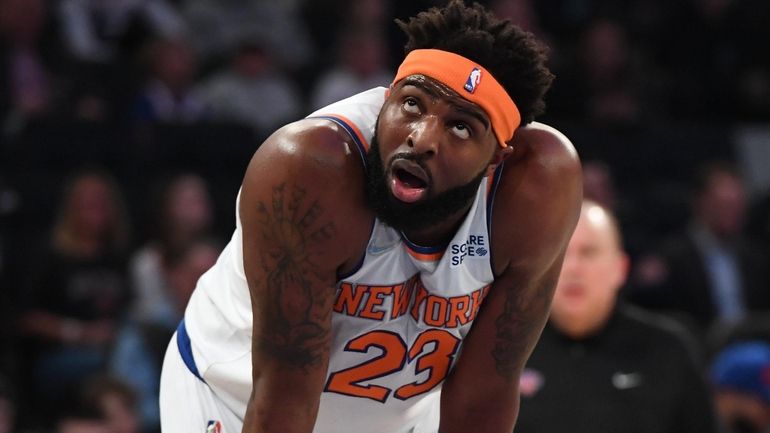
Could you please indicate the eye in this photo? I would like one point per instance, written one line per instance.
(461, 130)
(411, 106)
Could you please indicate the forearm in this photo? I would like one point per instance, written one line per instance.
(284, 399)
(487, 411)
(263, 417)
(478, 422)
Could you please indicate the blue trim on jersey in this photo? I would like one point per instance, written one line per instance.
(360, 263)
(362, 153)
(420, 249)
(491, 197)
(351, 132)
(490, 205)
(185, 349)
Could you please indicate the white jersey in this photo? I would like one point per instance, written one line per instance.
(398, 321)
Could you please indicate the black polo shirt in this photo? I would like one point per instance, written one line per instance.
(637, 375)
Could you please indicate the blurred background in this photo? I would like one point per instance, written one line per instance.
(126, 126)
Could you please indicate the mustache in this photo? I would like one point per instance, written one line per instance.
(409, 156)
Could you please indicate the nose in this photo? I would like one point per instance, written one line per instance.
(426, 136)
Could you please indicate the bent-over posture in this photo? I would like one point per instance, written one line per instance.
(395, 253)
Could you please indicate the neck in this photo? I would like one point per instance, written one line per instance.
(441, 233)
(579, 329)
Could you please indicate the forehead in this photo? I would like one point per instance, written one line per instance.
(596, 227)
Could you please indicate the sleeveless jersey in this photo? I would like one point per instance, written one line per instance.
(398, 319)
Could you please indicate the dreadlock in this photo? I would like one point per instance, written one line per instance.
(515, 58)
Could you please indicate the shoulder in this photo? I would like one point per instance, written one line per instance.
(546, 155)
(658, 334)
(538, 199)
(309, 171)
(309, 148)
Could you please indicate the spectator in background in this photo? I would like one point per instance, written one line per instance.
(322, 20)
(79, 290)
(184, 214)
(608, 74)
(163, 274)
(219, 26)
(603, 366)
(607, 80)
(139, 350)
(26, 79)
(711, 273)
(102, 404)
(361, 65)
(102, 40)
(740, 375)
(96, 31)
(167, 95)
(114, 401)
(252, 91)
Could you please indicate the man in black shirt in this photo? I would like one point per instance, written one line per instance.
(602, 367)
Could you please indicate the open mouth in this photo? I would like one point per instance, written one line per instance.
(409, 182)
(572, 291)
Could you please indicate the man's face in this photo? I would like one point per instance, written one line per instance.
(593, 271)
(430, 151)
(723, 205)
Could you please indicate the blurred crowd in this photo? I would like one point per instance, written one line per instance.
(629, 61)
(94, 279)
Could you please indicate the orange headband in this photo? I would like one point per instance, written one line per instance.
(471, 81)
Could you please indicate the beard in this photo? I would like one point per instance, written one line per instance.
(425, 213)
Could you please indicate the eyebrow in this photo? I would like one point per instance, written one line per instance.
(468, 109)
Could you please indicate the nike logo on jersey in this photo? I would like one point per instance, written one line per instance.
(626, 380)
(378, 249)
(389, 302)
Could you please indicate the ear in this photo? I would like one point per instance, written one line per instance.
(501, 154)
(622, 268)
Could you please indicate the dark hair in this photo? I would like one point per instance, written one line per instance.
(513, 56)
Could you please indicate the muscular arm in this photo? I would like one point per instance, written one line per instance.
(536, 209)
(299, 230)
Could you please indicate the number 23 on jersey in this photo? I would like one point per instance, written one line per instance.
(435, 359)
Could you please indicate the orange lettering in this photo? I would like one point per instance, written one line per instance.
(435, 316)
(347, 300)
(401, 294)
(478, 297)
(375, 300)
(422, 293)
(458, 311)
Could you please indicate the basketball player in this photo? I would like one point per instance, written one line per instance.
(393, 251)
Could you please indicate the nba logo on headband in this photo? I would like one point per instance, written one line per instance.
(474, 78)
(214, 426)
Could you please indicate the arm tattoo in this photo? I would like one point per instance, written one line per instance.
(521, 319)
(297, 310)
